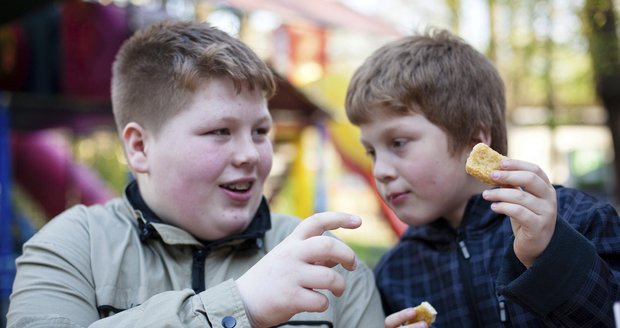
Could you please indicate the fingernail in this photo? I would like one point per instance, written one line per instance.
(504, 163)
(495, 175)
(485, 194)
(354, 219)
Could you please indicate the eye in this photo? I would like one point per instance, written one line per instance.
(398, 143)
(260, 134)
(220, 132)
(262, 131)
(370, 152)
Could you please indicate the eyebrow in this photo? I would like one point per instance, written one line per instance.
(387, 131)
(234, 119)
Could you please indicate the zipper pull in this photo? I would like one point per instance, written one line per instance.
(502, 307)
(460, 239)
(464, 250)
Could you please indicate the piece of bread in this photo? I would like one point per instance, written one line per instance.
(482, 161)
(424, 312)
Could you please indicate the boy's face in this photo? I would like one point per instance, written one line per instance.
(413, 169)
(208, 164)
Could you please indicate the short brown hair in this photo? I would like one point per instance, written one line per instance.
(157, 69)
(439, 75)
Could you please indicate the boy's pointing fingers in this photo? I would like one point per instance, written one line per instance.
(323, 250)
(297, 269)
(317, 224)
(328, 251)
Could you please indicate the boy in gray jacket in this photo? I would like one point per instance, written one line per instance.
(192, 243)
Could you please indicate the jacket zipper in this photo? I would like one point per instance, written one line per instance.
(465, 272)
(501, 302)
(199, 257)
(198, 269)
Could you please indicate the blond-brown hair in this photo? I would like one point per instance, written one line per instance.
(439, 75)
(158, 68)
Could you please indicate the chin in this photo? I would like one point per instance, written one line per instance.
(237, 222)
(410, 220)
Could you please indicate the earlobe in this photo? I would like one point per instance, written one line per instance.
(134, 137)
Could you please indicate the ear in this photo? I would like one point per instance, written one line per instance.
(134, 136)
(483, 136)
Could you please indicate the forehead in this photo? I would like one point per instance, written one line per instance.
(218, 99)
(381, 125)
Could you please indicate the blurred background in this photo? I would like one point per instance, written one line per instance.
(560, 60)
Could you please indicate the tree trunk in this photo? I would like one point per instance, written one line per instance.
(550, 101)
(492, 50)
(600, 26)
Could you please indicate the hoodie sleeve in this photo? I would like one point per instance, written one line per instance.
(574, 282)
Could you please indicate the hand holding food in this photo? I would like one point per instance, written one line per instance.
(422, 315)
(526, 196)
(424, 312)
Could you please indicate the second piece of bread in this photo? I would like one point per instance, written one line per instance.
(424, 312)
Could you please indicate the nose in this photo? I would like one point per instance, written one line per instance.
(382, 170)
(245, 152)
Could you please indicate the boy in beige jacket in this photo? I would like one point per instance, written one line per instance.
(192, 243)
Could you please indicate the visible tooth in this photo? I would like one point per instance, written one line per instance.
(243, 186)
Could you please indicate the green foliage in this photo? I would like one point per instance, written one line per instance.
(102, 151)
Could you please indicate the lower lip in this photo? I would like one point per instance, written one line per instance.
(238, 196)
(398, 199)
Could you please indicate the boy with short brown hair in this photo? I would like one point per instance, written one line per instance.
(192, 243)
(523, 255)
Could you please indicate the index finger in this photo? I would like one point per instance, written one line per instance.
(524, 175)
(317, 224)
(519, 165)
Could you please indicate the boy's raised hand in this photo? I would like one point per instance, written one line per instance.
(531, 206)
(286, 280)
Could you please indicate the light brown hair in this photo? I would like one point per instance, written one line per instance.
(438, 75)
(158, 68)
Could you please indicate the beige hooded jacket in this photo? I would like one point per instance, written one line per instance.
(89, 268)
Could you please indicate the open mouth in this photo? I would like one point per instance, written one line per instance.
(237, 187)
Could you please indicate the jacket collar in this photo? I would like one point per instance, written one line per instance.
(476, 218)
(152, 226)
